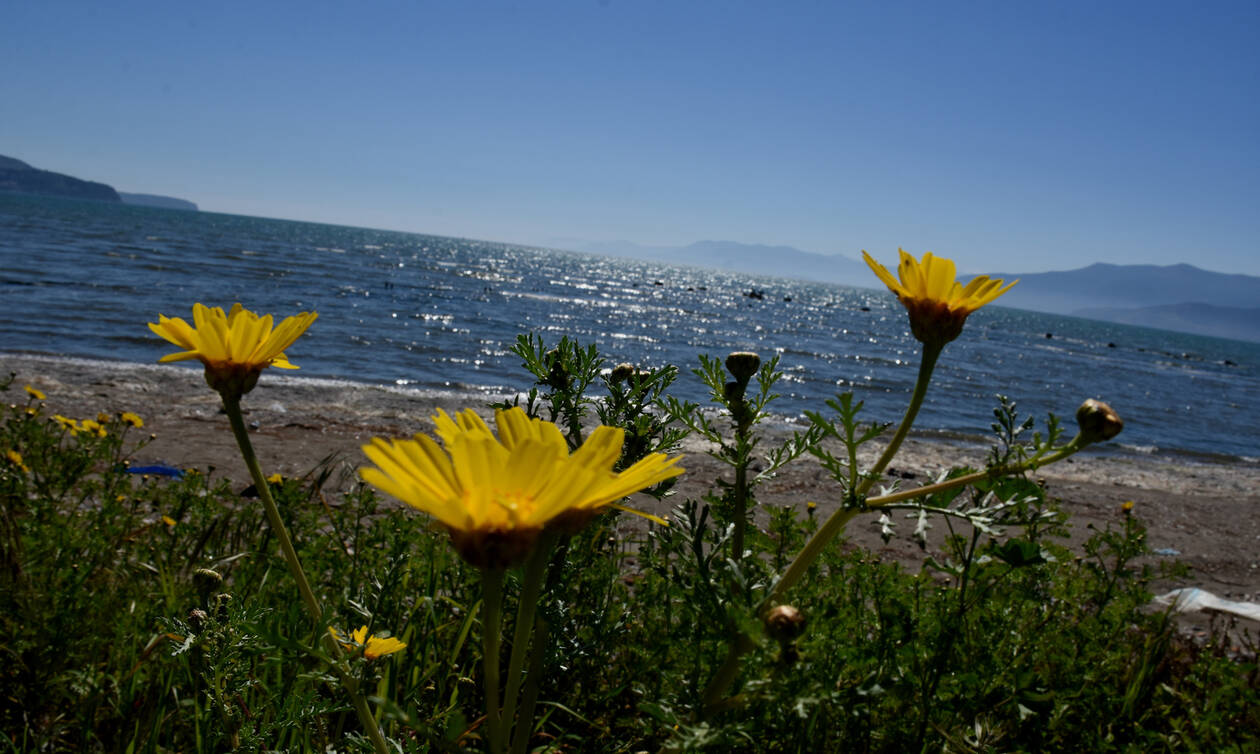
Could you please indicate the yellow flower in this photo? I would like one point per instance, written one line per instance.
(276, 478)
(234, 347)
(937, 302)
(373, 646)
(15, 458)
(131, 419)
(170, 522)
(35, 393)
(495, 495)
(93, 426)
(67, 423)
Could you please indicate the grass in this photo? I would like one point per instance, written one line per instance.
(147, 613)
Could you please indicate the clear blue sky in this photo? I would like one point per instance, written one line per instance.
(1012, 136)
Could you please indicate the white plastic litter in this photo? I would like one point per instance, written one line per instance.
(1192, 599)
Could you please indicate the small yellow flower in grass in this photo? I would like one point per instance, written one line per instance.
(372, 646)
(276, 478)
(938, 304)
(495, 495)
(93, 426)
(67, 423)
(15, 458)
(35, 393)
(130, 419)
(1126, 507)
(234, 347)
(170, 522)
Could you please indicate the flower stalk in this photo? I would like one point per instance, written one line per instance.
(232, 406)
(491, 628)
(531, 590)
(927, 364)
(743, 366)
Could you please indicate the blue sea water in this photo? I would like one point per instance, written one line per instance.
(427, 312)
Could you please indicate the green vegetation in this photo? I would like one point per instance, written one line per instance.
(147, 613)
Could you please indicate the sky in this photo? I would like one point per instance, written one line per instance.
(1010, 136)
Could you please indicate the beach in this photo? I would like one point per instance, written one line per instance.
(1200, 513)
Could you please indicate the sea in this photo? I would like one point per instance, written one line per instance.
(430, 314)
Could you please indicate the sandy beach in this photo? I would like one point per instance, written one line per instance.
(1203, 514)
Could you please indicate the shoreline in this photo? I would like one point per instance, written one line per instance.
(1205, 512)
(447, 398)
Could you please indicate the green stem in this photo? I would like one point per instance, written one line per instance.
(741, 643)
(741, 484)
(531, 587)
(931, 352)
(810, 552)
(491, 628)
(232, 407)
(841, 517)
(520, 740)
(837, 521)
(741, 511)
(1072, 447)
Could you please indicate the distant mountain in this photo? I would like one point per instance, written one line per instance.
(1111, 286)
(1200, 319)
(154, 200)
(19, 177)
(1178, 297)
(752, 259)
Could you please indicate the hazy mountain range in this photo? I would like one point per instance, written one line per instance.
(19, 177)
(1178, 297)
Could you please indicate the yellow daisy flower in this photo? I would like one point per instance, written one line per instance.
(15, 458)
(234, 347)
(131, 419)
(67, 423)
(937, 302)
(35, 393)
(495, 495)
(93, 426)
(373, 646)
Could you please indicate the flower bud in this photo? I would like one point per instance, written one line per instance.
(784, 623)
(197, 619)
(1098, 421)
(558, 377)
(743, 365)
(221, 603)
(206, 580)
(622, 372)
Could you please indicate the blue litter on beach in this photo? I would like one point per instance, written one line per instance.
(1167, 551)
(158, 469)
